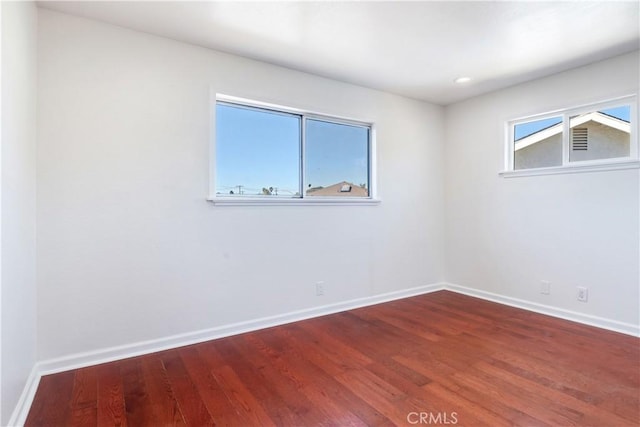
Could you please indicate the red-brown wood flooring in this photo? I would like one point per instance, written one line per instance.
(435, 359)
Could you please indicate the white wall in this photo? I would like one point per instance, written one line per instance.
(18, 208)
(128, 248)
(504, 235)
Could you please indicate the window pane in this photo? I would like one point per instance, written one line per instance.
(603, 134)
(257, 152)
(337, 159)
(538, 143)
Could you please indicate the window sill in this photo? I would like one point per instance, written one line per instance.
(621, 165)
(266, 201)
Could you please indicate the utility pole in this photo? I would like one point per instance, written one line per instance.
(240, 189)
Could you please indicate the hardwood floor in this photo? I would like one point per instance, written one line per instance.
(436, 359)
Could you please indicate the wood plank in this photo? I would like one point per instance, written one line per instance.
(162, 400)
(324, 385)
(283, 381)
(589, 414)
(84, 398)
(277, 346)
(270, 401)
(466, 411)
(134, 391)
(51, 405)
(241, 398)
(332, 355)
(192, 407)
(498, 401)
(200, 362)
(110, 395)
(376, 392)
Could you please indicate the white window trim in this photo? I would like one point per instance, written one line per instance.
(557, 170)
(248, 200)
(620, 163)
(317, 201)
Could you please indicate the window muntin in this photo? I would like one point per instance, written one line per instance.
(262, 152)
(597, 134)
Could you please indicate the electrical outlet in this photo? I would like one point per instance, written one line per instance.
(545, 287)
(583, 294)
(319, 288)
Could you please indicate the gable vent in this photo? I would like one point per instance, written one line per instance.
(579, 139)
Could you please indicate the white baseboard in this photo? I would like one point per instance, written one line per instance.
(111, 354)
(600, 322)
(81, 360)
(19, 415)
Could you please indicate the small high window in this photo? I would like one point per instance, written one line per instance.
(596, 134)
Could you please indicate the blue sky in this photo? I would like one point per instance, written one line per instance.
(255, 149)
(258, 149)
(525, 129)
(336, 153)
(623, 113)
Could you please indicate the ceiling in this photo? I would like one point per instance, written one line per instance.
(415, 49)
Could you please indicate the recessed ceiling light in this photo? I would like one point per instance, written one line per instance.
(462, 80)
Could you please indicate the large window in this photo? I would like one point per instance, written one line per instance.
(592, 136)
(265, 153)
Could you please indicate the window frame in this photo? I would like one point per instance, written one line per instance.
(568, 166)
(249, 200)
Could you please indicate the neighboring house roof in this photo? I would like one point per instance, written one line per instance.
(595, 116)
(340, 189)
